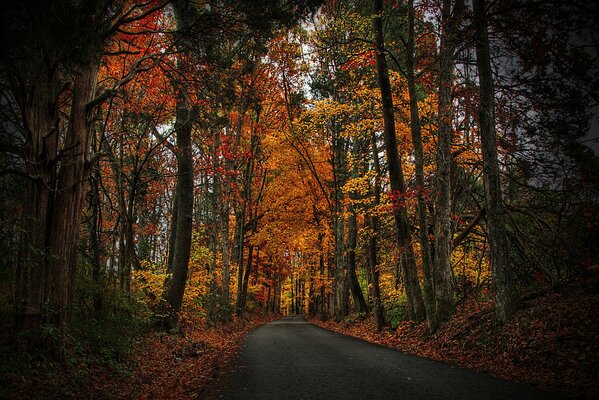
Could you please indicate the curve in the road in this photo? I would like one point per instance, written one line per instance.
(293, 359)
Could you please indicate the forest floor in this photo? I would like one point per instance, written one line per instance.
(551, 343)
(161, 366)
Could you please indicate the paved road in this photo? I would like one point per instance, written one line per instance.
(293, 359)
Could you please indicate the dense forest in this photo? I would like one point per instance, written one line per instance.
(166, 164)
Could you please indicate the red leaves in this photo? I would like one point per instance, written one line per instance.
(363, 60)
(400, 200)
(177, 366)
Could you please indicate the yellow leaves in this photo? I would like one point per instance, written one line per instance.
(149, 281)
(359, 189)
(323, 114)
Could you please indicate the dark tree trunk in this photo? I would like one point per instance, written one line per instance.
(352, 278)
(240, 236)
(340, 284)
(172, 239)
(245, 205)
(226, 259)
(429, 297)
(175, 285)
(444, 303)
(246, 278)
(373, 221)
(55, 196)
(506, 294)
(408, 264)
(94, 241)
(341, 289)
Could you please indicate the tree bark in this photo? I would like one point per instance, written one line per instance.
(245, 204)
(175, 285)
(95, 244)
(354, 285)
(373, 220)
(429, 297)
(444, 302)
(506, 295)
(172, 239)
(226, 259)
(341, 282)
(246, 278)
(55, 196)
(408, 264)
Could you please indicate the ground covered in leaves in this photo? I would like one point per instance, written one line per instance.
(162, 366)
(552, 342)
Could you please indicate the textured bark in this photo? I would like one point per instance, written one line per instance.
(506, 295)
(341, 295)
(95, 245)
(416, 308)
(225, 254)
(55, 196)
(126, 204)
(246, 277)
(172, 239)
(40, 119)
(341, 283)
(175, 285)
(245, 204)
(240, 239)
(352, 278)
(373, 221)
(64, 235)
(444, 302)
(429, 296)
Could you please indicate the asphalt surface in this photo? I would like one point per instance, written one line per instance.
(293, 359)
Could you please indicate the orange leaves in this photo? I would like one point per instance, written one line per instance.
(141, 48)
(176, 366)
(362, 60)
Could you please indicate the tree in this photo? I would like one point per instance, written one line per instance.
(398, 187)
(186, 17)
(444, 303)
(505, 290)
(57, 150)
(416, 131)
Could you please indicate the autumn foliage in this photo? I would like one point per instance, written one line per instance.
(174, 173)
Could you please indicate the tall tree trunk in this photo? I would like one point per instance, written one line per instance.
(340, 283)
(172, 238)
(352, 278)
(40, 119)
(55, 197)
(245, 204)
(246, 278)
(506, 294)
(341, 289)
(127, 253)
(373, 221)
(238, 253)
(95, 242)
(416, 308)
(444, 303)
(175, 285)
(64, 235)
(226, 259)
(429, 297)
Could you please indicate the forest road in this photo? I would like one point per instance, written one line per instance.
(293, 359)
